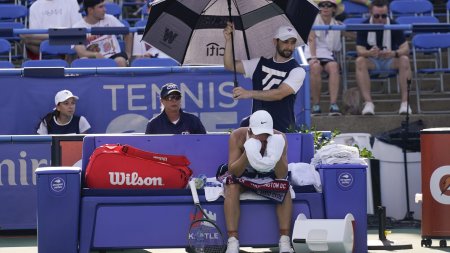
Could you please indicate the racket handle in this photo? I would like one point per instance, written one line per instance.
(194, 191)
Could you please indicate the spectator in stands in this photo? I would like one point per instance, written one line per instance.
(44, 14)
(381, 50)
(257, 152)
(320, 55)
(276, 94)
(62, 120)
(172, 119)
(102, 46)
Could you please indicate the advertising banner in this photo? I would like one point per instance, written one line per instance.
(18, 198)
(124, 103)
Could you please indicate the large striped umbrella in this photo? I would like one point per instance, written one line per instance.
(191, 31)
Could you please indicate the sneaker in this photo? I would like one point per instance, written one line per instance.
(369, 109)
(232, 245)
(316, 110)
(334, 110)
(285, 244)
(403, 109)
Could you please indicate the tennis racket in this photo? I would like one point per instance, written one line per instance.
(204, 235)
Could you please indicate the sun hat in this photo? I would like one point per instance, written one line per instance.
(169, 88)
(339, 6)
(261, 123)
(63, 95)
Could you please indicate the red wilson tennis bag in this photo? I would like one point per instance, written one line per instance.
(125, 167)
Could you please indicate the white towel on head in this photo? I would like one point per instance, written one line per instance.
(257, 161)
(372, 36)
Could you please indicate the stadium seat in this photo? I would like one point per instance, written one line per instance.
(45, 63)
(154, 62)
(93, 63)
(430, 41)
(354, 10)
(5, 49)
(52, 51)
(17, 46)
(410, 8)
(416, 20)
(113, 9)
(6, 65)
(13, 13)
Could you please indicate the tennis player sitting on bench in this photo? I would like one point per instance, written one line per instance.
(257, 151)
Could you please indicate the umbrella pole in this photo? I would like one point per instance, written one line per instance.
(232, 46)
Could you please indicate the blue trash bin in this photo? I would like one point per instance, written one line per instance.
(58, 190)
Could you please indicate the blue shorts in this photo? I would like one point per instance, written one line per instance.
(381, 64)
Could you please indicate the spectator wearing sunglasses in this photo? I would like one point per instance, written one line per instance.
(172, 119)
(320, 53)
(381, 50)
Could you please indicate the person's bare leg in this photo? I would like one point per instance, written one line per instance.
(316, 81)
(404, 73)
(232, 208)
(121, 62)
(284, 215)
(362, 77)
(332, 68)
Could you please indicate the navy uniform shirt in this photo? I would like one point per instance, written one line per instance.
(72, 128)
(282, 111)
(187, 124)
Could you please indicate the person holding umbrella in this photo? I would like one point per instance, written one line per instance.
(275, 80)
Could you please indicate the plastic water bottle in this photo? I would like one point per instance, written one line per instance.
(200, 181)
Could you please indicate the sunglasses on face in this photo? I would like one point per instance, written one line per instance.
(326, 5)
(172, 97)
(383, 16)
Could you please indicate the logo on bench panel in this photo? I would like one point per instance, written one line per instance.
(122, 178)
(58, 184)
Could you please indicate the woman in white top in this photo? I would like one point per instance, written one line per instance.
(320, 55)
(62, 120)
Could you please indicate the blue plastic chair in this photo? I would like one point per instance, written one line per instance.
(13, 12)
(411, 8)
(93, 63)
(45, 63)
(6, 65)
(430, 41)
(5, 48)
(154, 62)
(50, 51)
(113, 9)
(355, 10)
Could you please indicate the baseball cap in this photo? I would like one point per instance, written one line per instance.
(169, 88)
(261, 123)
(63, 95)
(285, 32)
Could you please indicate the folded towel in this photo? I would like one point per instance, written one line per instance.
(305, 174)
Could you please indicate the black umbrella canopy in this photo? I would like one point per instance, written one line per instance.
(191, 31)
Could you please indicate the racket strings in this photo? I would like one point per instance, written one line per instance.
(205, 237)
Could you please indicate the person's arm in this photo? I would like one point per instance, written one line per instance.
(281, 168)
(312, 45)
(265, 95)
(83, 125)
(82, 51)
(237, 159)
(128, 45)
(228, 55)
